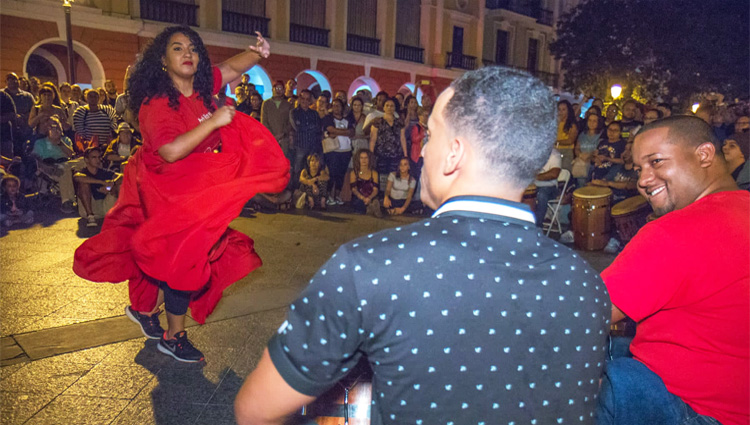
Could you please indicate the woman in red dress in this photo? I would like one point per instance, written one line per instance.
(168, 234)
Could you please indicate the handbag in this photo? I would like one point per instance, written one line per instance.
(579, 169)
(330, 144)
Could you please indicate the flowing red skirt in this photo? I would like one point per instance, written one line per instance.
(171, 222)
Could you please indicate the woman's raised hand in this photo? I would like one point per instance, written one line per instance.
(261, 46)
(223, 116)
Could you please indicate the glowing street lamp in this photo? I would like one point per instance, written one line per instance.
(695, 107)
(616, 91)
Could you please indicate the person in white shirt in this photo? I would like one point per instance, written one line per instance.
(546, 185)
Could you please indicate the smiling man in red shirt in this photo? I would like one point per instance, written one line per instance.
(684, 279)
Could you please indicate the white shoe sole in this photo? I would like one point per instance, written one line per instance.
(179, 359)
(133, 318)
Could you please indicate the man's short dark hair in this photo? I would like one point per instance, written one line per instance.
(510, 117)
(91, 150)
(686, 129)
(629, 101)
(382, 93)
(307, 91)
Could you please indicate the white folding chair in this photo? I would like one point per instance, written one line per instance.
(554, 204)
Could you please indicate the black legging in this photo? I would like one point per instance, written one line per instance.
(175, 302)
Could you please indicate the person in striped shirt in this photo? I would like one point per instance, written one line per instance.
(95, 119)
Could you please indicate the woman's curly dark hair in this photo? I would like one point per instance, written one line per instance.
(148, 80)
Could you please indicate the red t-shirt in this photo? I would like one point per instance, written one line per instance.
(685, 279)
(160, 124)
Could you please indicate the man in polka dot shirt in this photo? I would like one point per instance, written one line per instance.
(469, 317)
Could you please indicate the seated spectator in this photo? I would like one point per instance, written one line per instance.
(684, 279)
(313, 182)
(97, 187)
(121, 148)
(55, 159)
(736, 151)
(742, 124)
(94, 122)
(400, 189)
(652, 115)
(546, 185)
(609, 152)
(242, 100)
(15, 207)
(364, 184)
(611, 114)
(622, 180)
(47, 106)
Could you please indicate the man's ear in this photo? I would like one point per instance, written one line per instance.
(456, 155)
(706, 154)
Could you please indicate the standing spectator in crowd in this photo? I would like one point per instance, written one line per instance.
(387, 142)
(418, 135)
(546, 185)
(121, 103)
(379, 111)
(95, 120)
(8, 117)
(447, 310)
(110, 89)
(652, 115)
(629, 122)
(688, 266)
(275, 114)
(736, 149)
(357, 118)
(121, 148)
(611, 115)
(242, 99)
(321, 106)
(102, 96)
(609, 152)
(45, 108)
(256, 102)
(341, 95)
(24, 102)
(364, 183)
(400, 105)
(313, 182)
(742, 124)
(76, 94)
(336, 125)
(409, 117)
(400, 189)
(599, 103)
(55, 157)
(665, 109)
(587, 144)
(34, 85)
(15, 207)
(567, 133)
(290, 91)
(69, 105)
(97, 187)
(307, 132)
(245, 84)
(25, 85)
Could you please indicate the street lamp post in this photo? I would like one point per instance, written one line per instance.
(69, 35)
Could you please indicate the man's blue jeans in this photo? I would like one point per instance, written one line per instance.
(631, 394)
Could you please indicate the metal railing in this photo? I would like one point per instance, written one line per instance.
(524, 7)
(308, 35)
(361, 44)
(461, 61)
(170, 11)
(409, 53)
(547, 78)
(244, 24)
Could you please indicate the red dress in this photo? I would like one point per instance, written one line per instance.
(171, 220)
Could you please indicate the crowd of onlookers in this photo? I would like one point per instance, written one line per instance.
(363, 151)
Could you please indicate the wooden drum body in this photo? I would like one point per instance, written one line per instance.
(350, 399)
(529, 197)
(629, 216)
(591, 218)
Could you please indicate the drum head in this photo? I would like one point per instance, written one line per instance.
(629, 205)
(592, 192)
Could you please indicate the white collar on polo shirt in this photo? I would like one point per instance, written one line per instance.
(487, 206)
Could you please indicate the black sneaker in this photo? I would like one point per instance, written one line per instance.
(180, 348)
(150, 325)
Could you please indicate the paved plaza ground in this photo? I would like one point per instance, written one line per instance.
(70, 356)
